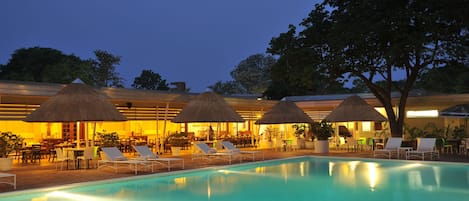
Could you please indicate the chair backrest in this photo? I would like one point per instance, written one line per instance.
(88, 153)
(465, 143)
(393, 143)
(426, 144)
(228, 145)
(60, 154)
(144, 151)
(351, 141)
(204, 148)
(113, 154)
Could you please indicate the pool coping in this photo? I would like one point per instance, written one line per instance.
(163, 174)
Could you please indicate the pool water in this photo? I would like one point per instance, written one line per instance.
(304, 178)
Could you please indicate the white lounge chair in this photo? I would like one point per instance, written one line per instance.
(146, 154)
(425, 147)
(112, 158)
(391, 147)
(230, 147)
(203, 151)
(10, 179)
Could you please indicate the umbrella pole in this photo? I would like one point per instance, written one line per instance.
(94, 134)
(78, 134)
(157, 139)
(86, 134)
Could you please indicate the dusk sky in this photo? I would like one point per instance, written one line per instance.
(199, 42)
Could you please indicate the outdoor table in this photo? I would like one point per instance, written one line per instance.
(403, 150)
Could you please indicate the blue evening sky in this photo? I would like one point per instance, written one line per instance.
(199, 42)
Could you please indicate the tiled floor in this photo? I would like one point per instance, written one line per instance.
(44, 174)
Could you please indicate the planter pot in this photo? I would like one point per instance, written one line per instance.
(176, 151)
(309, 145)
(321, 146)
(5, 164)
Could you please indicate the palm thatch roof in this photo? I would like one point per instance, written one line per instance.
(461, 111)
(76, 102)
(284, 112)
(354, 108)
(208, 107)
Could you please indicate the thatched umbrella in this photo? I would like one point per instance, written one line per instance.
(354, 108)
(458, 111)
(208, 107)
(76, 102)
(284, 112)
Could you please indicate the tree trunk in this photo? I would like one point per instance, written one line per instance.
(397, 129)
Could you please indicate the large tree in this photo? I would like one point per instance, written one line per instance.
(150, 80)
(374, 40)
(253, 73)
(298, 71)
(40, 64)
(226, 88)
(250, 76)
(105, 74)
(454, 78)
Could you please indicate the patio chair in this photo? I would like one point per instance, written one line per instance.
(88, 156)
(425, 147)
(61, 157)
(391, 147)
(203, 151)
(230, 147)
(146, 154)
(113, 157)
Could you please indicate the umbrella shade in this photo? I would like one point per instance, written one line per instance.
(354, 108)
(76, 102)
(284, 112)
(461, 111)
(208, 107)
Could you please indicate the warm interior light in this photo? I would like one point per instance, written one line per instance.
(366, 126)
(422, 113)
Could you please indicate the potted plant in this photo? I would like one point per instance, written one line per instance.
(322, 131)
(9, 142)
(109, 139)
(269, 135)
(300, 134)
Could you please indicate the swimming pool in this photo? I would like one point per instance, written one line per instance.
(303, 178)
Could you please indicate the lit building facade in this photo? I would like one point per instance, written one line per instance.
(149, 113)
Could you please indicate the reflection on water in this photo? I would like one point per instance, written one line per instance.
(303, 179)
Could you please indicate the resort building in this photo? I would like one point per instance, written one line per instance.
(149, 114)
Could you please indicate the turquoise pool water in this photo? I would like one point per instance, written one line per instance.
(305, 178)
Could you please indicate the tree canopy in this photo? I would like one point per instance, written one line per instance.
(374, 40)
(226, 88)
(250, 76)
(453, 78)
(253, 73)
(104, 66)
(150, 80)
(40, 64)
